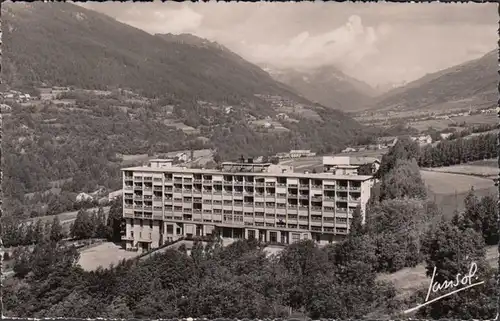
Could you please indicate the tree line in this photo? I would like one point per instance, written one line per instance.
(88, 224)
(459, 151)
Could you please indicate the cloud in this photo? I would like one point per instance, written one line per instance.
(177, 21)
(375, 42)
(346, 45)
(173, 20)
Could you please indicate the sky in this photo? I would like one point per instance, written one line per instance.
(379, 43)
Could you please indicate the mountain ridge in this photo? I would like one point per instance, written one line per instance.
(326, 85)
(117, 59)
(473, 82)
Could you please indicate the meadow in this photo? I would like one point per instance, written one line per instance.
(449, 190)
(467, 169)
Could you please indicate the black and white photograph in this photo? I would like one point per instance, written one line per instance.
(250, 160)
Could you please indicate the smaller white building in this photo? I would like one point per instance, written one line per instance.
(422, 140)
(159, 163)
(183, 157)
(282, 155)
(445, 135)
(114, 195)
(84, 197)
(296, 153)
(347, 165)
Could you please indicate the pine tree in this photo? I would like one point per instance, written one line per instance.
(114, 222)
(56, 231)
(101, 230)
(82, 227)
(356, 228)
(38, 232)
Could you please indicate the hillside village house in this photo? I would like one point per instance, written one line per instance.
(445, 135)
(5, 108)
(182, 157)
(348, 149)
(282, 155)
(282, 116)
(259, 159)
(348, 165)
(84, 197)
(387, 142)
(59, 90)
(422, 140)
(114, 195)
(301, 153)
(46, 93)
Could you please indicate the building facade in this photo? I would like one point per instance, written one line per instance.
(268, 202)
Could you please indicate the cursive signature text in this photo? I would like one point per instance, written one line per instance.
(465, 281)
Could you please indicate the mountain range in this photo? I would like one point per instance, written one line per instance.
(91, 50)
(64, 44)
(327, 85)
(61, 44)
(470, 84)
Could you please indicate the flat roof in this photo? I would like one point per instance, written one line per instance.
(342, 165)
(246, 164)
(218, 172)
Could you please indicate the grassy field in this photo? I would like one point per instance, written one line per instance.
(444, 123)
(493, 162)
(448, 183)
(134, 159)
(104, 255)
(449, 190)
(467, 169)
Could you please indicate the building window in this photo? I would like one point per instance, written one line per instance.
(151, 224)
(251, 234)
(295, 237)
(273, 236)
(141, 223)
(170, 229)
(132, 234)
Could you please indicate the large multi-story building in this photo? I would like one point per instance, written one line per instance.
(162, 202)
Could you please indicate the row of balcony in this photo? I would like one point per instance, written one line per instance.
(215, 191)
(294, 186)
(247, 193)
(302, 186)
(229, 218)
(314, 214)
(325, 227)
(279, 196)
(170, 200)
(245, 204)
